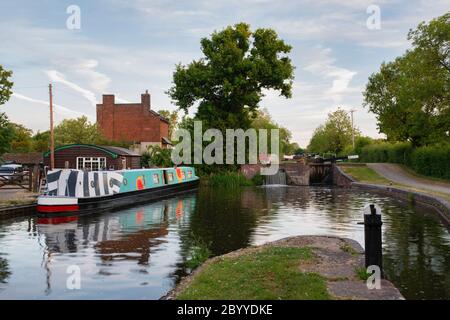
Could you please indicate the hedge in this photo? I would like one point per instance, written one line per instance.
(433, 161)
(399, 152)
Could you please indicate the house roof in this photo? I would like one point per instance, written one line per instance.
(160, 116)
(164, 140)
(112, 150)
(23, 158)
(121, 151)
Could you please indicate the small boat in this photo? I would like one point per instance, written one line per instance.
(76, 192)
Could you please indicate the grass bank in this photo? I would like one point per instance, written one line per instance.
(272, 273)
(364, 174)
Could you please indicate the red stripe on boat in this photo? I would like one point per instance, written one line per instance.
(72, 207)
(57, 220)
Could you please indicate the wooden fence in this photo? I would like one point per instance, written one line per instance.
(27, 179)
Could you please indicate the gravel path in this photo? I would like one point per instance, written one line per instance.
(397, 174)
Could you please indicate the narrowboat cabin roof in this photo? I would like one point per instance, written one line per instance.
(112, 150)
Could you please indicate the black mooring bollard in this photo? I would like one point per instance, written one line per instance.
(372, 236)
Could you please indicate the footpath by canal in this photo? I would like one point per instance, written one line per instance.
(399, 183)
(16, 202)
(398, 174)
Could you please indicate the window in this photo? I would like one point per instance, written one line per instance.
(189, 174)
(170, 176)
(156, 178)
(91, 163)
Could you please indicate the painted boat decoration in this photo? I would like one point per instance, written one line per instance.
(72, 191)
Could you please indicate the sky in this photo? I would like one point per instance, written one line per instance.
(125, 47)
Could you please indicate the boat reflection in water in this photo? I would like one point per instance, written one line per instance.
(129, 239)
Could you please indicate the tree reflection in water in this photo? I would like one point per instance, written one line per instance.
(5, 271)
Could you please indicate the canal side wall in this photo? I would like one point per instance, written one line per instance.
(340, 178)
(250, 170)
(440, 206)
(296, 173)
(17, 211)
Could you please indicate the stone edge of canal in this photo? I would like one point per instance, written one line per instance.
(17, 211)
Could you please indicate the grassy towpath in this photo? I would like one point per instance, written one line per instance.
(397, 176)
(15, 197)
(300, 268)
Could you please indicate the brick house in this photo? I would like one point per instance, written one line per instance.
(132, 122)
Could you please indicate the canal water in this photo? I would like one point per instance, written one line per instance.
(141, 252)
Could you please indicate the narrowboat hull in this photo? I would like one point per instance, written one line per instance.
(50, 206)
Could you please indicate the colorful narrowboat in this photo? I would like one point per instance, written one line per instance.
(73, 192)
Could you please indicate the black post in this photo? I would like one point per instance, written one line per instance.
(372, 237)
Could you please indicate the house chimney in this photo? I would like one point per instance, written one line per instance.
(145, 100)
(108, 99)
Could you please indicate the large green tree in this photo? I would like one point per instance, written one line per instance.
(79, 130)
(411, 95)
(22, 138)
(228, 82)
(335, 135)
(318, 142)
(172, 116)
(263, 120)
(6, 132)
(5, 85)
(41, 141)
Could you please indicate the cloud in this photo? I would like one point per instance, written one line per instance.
(86, 67)
(64, 111)
(155, 35)
(59, 77)
(341, 77)
(121, 100)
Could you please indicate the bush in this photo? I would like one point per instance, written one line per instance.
(375, 153)
(205, 170)
(156, 156)
(229, 180)
(433, 161)
(258, 180)
(198, 253)
(399, 152)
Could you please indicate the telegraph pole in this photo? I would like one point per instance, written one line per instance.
(52, 138)
(353, 129)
